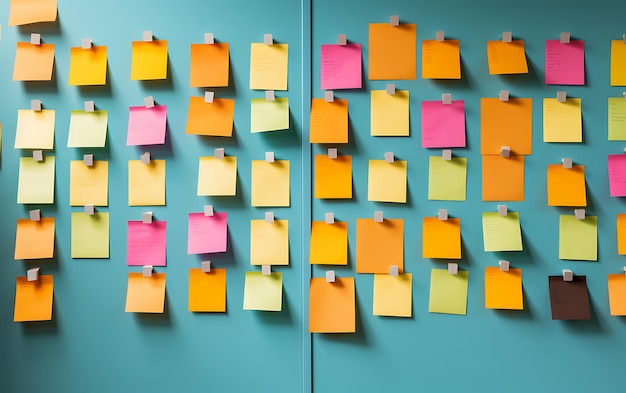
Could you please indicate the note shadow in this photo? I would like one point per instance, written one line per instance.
(282, 317)
(43, 328)
(356, 338)
(531, 79)
(525, 314)
(43, 87)
(221, 258)
(166, 84)
(229, 91)
(160, 151)
(283, 138)
(156, 319)
(585, 326)
(98, 91)
(462, 84)
(43, 28)
(219, 141)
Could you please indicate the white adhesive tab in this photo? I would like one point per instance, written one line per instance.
(446, 154)
(146, 217)
(206, 266)
(332, 153)
(268, 39)
(266, 270)
(219, 153)
(446, 98)
(209, 38)
(507, 36)
(330, 276)
(32, 274)
(269, 95)
(453, 268)
(269, 156)
(35, 105)
(378, 216)
(149, 102)
(390, 88)
(567, 163)
(147, 270)
(440, 35)
(393, 270)
(329, 96)
(38, 155)
(561, 96)
(442, 214)
(568, 275)
(504, 265)
(90, 209)
(35, 39)
(329, 218)
(208, 97)
(579, 214)
(504, 95)
(565, 37)
(389, 157)
(208, 210)
(35, 215)
(394, 20)
(502, 210)
(145, 158)
(342, 39)
(88, 159)
(269, 217)
(90, 106)
(505, 151)
(86, 43)
(147, 36)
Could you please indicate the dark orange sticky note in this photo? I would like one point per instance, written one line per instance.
(34, 239)
(145, 294)
(617, 294)
(441, 238)
(379, 245)
(209, 65)
(207, 291)
(506, 57)
(503, 290)
(332, 306)
(506, 123)
(503, 178)
(441, 59)
(566, 187)
(33, 299)
(333, 177)
(621, 234)
(329, 121)
(211, 119)
(33, 62)
(329, 243)
(392, 51)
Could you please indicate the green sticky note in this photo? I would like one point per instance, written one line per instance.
(269, 115)
(578, 239)
(90, 235)
(502, 233)
(447, 179)
(36, 181)
(448, 292)
(263, 293)
(88, 129)
(617, 119)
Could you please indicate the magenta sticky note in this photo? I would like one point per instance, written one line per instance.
(617, 175)
(206, 234)
(146, 126)
(341, 67)
(146, 243)
(565, 63)
(443, 125)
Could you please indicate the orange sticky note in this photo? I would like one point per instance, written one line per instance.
(441, 59)
(211, 119)
(617, 294)
(566, 187)
(506, 57)
(149, 60)
(33, 299)
(145, 294)
(329, 121)
(379, 245)
(207, 291)
(618, 63)
(503, 290)
(621, 234)
(34, 239)
(332, 306)
(33, 62)
(23, 12)
(333, 177)
(503, 178)
(209, 65)
(392, 53)
(88, 66)
(329, 243)
(506, 123)
(441, 238)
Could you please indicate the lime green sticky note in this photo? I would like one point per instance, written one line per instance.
(36, 181)
(502, 233)
(88, 129)
(562, 121)
(447, 180)
(617, 119)
(448, 292)
(263, 293)
(578, 239)
(269, 115)
(90, 235)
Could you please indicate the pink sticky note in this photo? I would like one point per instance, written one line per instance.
(341, 67)
(146, 243)
(565, 63)
(443, 125)
(206, 234)
(617, 175)
(146, 126)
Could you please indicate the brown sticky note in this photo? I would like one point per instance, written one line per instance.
(569, 300)
(33, 299)
(145, 294)
(379, 245)
(506, 57)
(506, 123)
(621, 234)
(503, 290)
(566, 187)
(209, 65)
(332, 306)
(210, 119)
(329, 243)
(207, 291)
(33, 62)
(617, 294)
(441, 238)
(34, 239)
(329, 121)
(333, 177)
(441, 59)
(392, 51)
(503, 178)
(24, 12)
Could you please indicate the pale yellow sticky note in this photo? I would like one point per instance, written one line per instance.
(146, 183)
(270, 183)
(217, 176)
(149, 60)
(88, 67)
(389, 113)
(329, 243)
(269, 242)
(447, 179)
(88, 129)
(503, 290)
(386, 181)
(502, 233)
(36, 181)
(263, 293)
(33, 299)
(90, 235)
(269, 115)
(268, 66)
(392, 295)
(89, 185)
(33, 62)
(578, 239)
(562, 121)
(24, 12)
(35, 129)
(618, 63)
(617, 119)
(448, 292)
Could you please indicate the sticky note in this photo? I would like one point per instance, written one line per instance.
(448, 292)
(617, 294)
(502, 233)
(146, 126)
(268, 66)
(210, 119)
(506, 57)
(617, 119)
(569, 300)
(24, 12)
(145, 294)
(447, 179)
(333, 177)
(36, 181)
(618, 63)
(565, 63)
(33, 62)
(329, 243)
(443, 125)
(340, 67)
(146, 243)
(34, 239)
(149, 60)
(269, 115)
(562, 121)
(441, 238)
(578, 239)
(328, 121)
(35, 129)
(217, 176)
(332, 306)
(617, 175)
(503, 290)
(269, 242)
(89, 184)
(386, 182)
(90, 235)
(621, 234)
(506, 123)
(209, 65)
(88, 129)
(441, 59)
(206, 234)
(146, 183)
(263, 292)
(392, 295)
(503, 178)
(207, 291)
(33, 299)
(566, 187)
(389, 113)
(270, 183)
(88, 67)
(379, 245)
(392, 53)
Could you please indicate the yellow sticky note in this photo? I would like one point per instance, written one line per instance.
(88, 129)
(149, 60)
(217, 176)
(89, 185)
(333, 177)
(618, 63)
(379, 245)
(441, 59)
(392, 51)
(145, 294)
(24, 12)
(329, 243)
(502, 233)
(578, 239)
(328, 121)
(146, 183)
(392, 295)
(207, 291)
(34, 239)
(503, 290)
(566, 187)
(617, 294)
(35, 129)
(90, 235)
(441, 238)
(209, 65)
(621, 234)
(210, 119)
(36, 181)
(503, 178)
(269, 242)
(332, 306)
(389, 113)
(506, 57)
(386, 181)
(270, 183)
(562, 121)
(448, 292)
(88, 67)
(268, 66)
(269, 115)
(33, 62)
(263, 293)
(33, 299)
(617, 119)
(447, 179)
